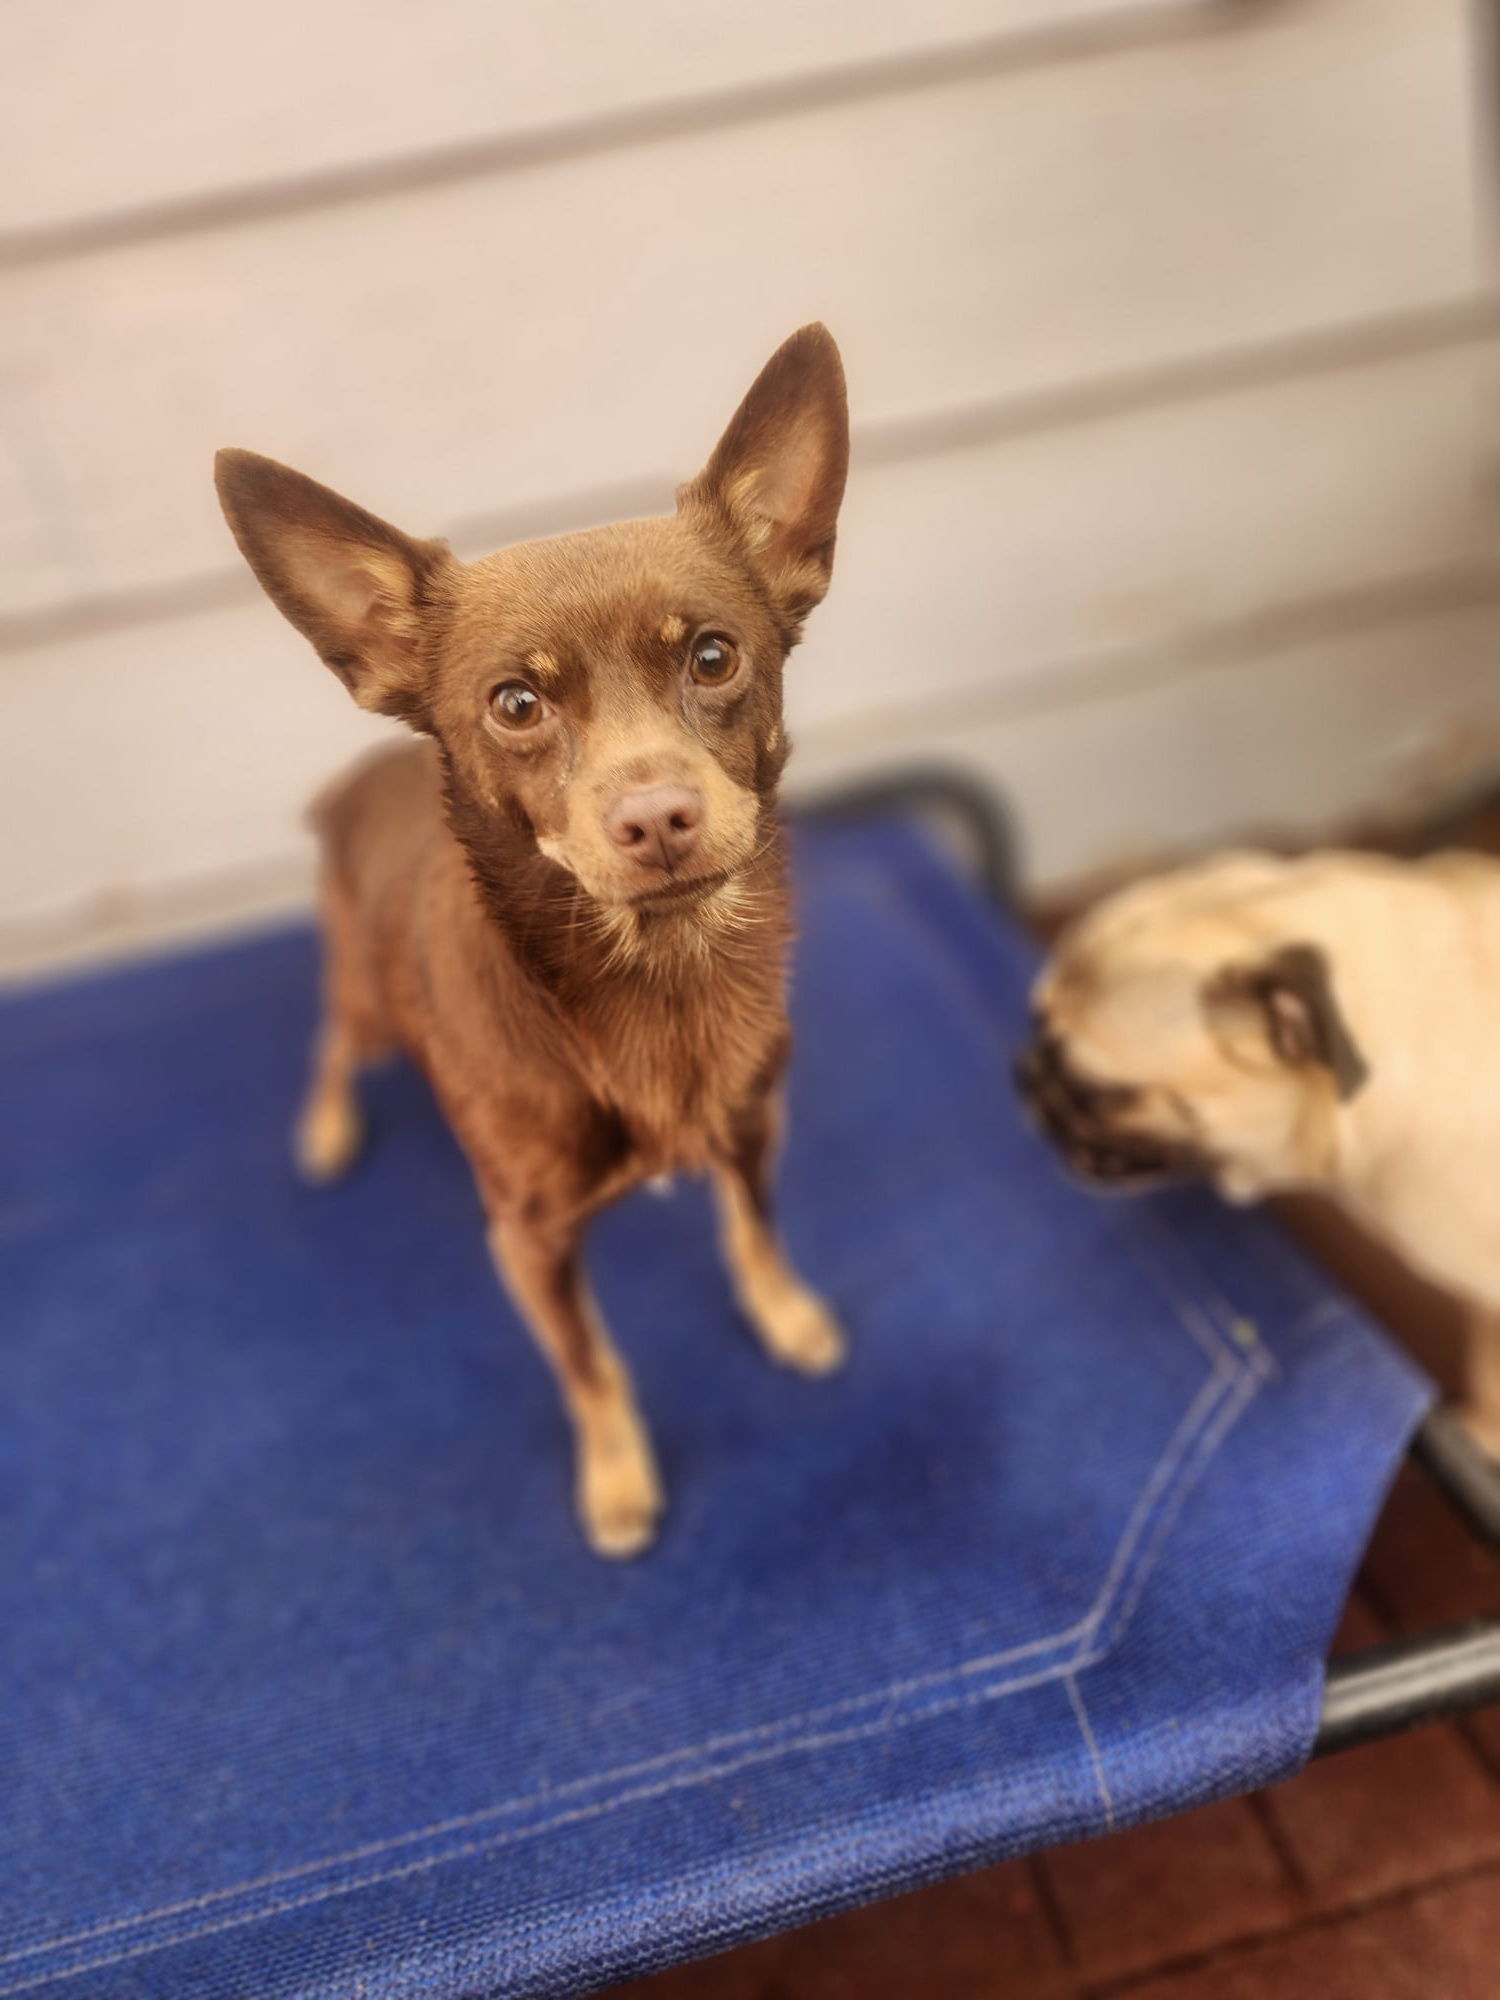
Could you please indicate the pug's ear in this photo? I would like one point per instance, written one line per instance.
(358, 588)
(1289, 999)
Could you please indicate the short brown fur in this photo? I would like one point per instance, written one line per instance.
(574, 917)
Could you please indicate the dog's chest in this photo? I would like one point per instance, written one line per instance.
(680, 1077)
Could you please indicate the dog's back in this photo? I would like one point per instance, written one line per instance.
(375, 821)
(385, 857)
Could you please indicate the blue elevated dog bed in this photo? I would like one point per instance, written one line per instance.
(310, 1686)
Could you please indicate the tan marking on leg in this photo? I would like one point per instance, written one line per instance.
(330, 1130)
(795, 1326)
(618, 1489)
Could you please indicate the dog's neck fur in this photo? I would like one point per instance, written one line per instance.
(669, 1016)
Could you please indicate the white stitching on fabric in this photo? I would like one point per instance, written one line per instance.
(1167, 1468)
(1196, 1315)
(1259, 1357)
(1245, 1374)
(1208, 1444)
(685, 1781)
(1174, 1455)
(1075, 1695)
(1167, 1245)
(1320, 1314)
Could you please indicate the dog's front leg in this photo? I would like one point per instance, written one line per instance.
(619, 1494)
(796, 1328)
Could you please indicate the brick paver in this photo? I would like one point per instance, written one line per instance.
(1182, 1885)
(1370, 1876)
(1335, 1820)
(1441, 1945)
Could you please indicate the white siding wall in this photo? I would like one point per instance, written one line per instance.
(1172, 358)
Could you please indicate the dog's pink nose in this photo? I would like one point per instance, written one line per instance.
(657, 827)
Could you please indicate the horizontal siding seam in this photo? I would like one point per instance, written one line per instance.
(1449, 325)
(1196, 651)
(120, 921)
(1123, 31)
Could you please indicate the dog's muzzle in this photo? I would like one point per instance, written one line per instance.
(1077, 1116)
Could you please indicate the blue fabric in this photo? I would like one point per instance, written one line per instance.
(309, 1685)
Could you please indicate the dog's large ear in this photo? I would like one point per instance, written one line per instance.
(1290, 997)
(777, 475)
(359, 589)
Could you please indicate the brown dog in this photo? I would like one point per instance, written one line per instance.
(569, 906)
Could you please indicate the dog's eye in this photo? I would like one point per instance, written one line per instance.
(516, 706)
(715, 660)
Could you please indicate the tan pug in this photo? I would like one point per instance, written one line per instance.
(1331, 1024)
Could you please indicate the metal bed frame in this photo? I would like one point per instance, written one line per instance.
(1449, 1670)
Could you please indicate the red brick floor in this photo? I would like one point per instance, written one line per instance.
(1374, 1875)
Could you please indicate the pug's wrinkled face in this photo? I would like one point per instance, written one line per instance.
(1171, 1039)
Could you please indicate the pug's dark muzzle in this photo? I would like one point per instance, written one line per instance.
(1077, 1116)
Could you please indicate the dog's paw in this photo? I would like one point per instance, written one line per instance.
(328, 1138)
(620, 1502)
(803, 1334)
